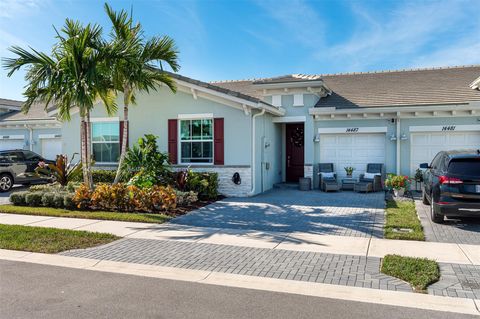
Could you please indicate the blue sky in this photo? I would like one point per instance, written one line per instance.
(238, 39)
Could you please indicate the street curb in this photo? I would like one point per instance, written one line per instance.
(367, 295)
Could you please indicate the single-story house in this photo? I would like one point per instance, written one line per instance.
(275, 130)
(35, 131)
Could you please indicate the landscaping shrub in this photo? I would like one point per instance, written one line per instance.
(68, 201)
(204, 184)
(122, 197)
(47, 199)
(47, 188)
(34, 199)
(58, 200)
(98, 176)
(82, 197)
(62, 171)
(186, 198)
(18, 198)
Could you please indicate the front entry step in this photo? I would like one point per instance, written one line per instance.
(286, 185)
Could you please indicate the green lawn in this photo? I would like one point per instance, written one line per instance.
(402, 215)
(60, 212)
(49, 240)
(419, 272)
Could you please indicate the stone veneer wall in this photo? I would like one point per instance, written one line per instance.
(225, 172)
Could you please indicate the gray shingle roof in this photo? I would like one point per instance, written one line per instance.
(6, 103)
(449, 85)
(36, 112)
(402, 88)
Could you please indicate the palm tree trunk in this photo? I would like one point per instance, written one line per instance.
(123, 151)
(83, 151)
(89, 152)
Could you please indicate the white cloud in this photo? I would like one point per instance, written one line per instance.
(12, 8)
(463, 53)
(407, 32)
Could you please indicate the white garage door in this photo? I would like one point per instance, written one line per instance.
(355, 150)
(51, 147)
(6, 144)
(424, 146)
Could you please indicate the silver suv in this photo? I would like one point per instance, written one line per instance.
(18, 167)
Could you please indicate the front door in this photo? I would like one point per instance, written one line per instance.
(294, 150)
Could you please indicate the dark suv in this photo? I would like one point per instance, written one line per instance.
(18, 167)
(452, 184)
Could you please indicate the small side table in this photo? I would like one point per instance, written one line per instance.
(348, 183)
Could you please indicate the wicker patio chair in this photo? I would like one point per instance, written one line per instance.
(378, 180)
(327, 183)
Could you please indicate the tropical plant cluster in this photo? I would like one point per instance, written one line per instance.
(397, 182)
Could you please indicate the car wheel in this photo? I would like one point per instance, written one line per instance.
(6, 183)
(424, 198)
(434, 215)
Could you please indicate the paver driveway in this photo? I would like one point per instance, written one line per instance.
(279, 210)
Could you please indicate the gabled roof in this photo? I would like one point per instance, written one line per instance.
(402, 88)
(10, 104)
(37, 112)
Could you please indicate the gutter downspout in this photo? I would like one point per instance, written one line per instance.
(30, 144)
(398, 146)
(252, 191)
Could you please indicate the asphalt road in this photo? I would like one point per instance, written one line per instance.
(39, 291)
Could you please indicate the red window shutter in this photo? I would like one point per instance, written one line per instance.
(218, 142)
(121, 126)
(172, 141)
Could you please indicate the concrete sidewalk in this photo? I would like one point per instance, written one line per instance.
(295, 241)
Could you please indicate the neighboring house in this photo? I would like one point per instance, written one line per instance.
(278, 129)
(35, 131)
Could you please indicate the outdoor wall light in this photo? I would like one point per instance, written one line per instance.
(403, 137)
(393, 137)
(316, 138)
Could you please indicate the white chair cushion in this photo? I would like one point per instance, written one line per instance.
(370, 175)
(327, 175)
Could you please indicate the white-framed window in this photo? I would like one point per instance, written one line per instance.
(196, 141)
(298, 100)
(105, 141)
(276, 100)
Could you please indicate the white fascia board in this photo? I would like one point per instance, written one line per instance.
(12, 137)
(32, 123)
(445, 128)
(352, 130)
(289, 119)
(391, 109)
(297, 84)
(239, 101)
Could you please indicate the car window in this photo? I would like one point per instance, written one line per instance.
(465, 166)
(435, 161)
(31, 156)
(13, 156)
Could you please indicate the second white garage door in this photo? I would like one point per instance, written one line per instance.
(355, 150)
(51, 147)
(11, 144)
(425, 145)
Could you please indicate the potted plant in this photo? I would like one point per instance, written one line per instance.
(349, 170)
(398, 183)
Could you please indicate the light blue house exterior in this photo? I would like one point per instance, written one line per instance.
(277, 130)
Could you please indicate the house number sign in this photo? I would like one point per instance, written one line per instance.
(448, 128)
(352, 130)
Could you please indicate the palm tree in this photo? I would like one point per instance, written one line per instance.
(75, 75)
(141, 69)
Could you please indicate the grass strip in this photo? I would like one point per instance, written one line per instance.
(49, 240)
(402, 216)
(419, 272)
(104, 215)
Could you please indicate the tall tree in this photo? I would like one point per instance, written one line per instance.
(75, 75)
(142, 68)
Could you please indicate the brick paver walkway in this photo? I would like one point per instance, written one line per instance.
(457, 281)
(280, 210)
(344, 270)
(451, 231)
